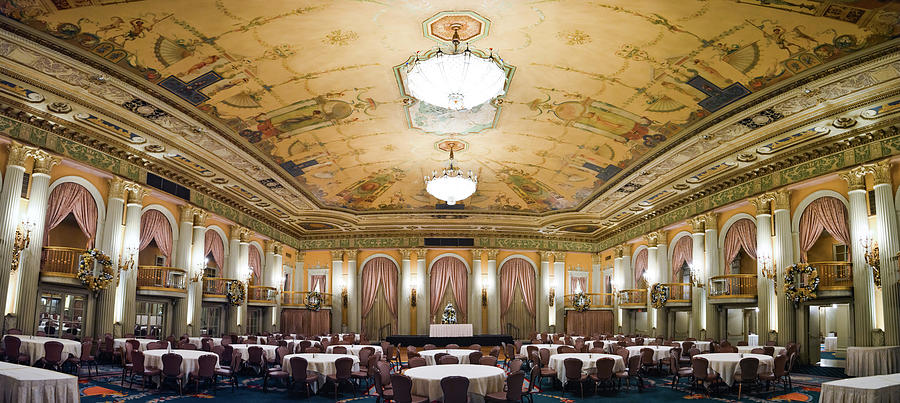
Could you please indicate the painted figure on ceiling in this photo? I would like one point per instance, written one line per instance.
(602, 118)
(306, 115)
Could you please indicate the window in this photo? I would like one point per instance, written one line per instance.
(60, 313)
(839, 252)
(150, 318)
(210, 272)
(211, 320)
(160, 261)
(735, 264)
(685, 273)
(254, 320)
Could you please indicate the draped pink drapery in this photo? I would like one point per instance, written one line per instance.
(589, 322)
(577, 283)
(155, 227)
(255, 263)
(379, 270)
(215, 245)
(826, 213)
(516, 271)
(681, 253)
(317, 283)
(640, 266)
(70, 197)
(742, 234)
(305, 321)
(449, 271)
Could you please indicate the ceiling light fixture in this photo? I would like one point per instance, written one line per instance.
(456, 80)
(451, 185)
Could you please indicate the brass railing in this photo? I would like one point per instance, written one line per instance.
(215, 286)
(597, 300)
(258, 293)
(60, 261)
(160, 278)
(833, 275)
(298, 298)
(733, 286)
(633, 297)
(679, 292)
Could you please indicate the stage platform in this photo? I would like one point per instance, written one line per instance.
(421, 340)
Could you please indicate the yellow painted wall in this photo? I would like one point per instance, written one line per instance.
(578, 260)
(731, 211)
(827, 182)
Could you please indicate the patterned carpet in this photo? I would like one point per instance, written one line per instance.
(107, 388)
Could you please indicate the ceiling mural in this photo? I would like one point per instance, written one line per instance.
(596, 86)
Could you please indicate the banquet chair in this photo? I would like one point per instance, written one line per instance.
(126, 365)
(546, 371)
(107, 349)
(311, 350)
(742, 343)
(475, 356)
(771, 343)
(256, 359)
(452, 346)
(686, 346)
(411, 351)
(305, 344)
(769, 350)
(758, 350)
(364, 374)
(229, 371)
(11, 347)
(596, 350)
(488, 360)
(749, 373)
(137, 360)
(633, 371)
(675, 368)
(365, 353)
(437, 357)
(475, 346)
(604, 373)
(791, 361)
(14, 331)
(349, 338)
(778, 374)
(417, 362)
(343, 367)
(448, 360)
(573, 368)
(252, 340)
(339, 350)
(455, 389)
(429, 347)
(187, 346)
(566, 350)
(205, 343)
(529, 350)
(382, 392)
(85, 359)
(495, 352)
(514, 365)
(512, 392)
(301, 374)
(280, 352)
(227, 353)
(171, 370)
(206, 371)
(647, 360)
(403, 390)
(53, 359)
(701, 374)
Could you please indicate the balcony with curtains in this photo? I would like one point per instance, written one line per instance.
(214, 288)
(261, 295)
(835, 279)
(679, 294)
(732, 288)
(633, 299)
(161, 281)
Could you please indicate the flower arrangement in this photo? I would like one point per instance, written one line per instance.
(792, 288)
(313, 301)
(659, 295)
(98, 282)
(234, 292)
(449, 315)
(581, 302)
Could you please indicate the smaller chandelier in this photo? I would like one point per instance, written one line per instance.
(451, 185)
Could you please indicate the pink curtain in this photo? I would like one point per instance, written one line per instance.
(824, 213)
(640, 266)
(379, 270)
(577, 281)
(216, 246)
(155, 227)
(317, 283)
(449, 271)
(306, 322)
(516, 271)
(589, 322)
(681, 253)
(255, 263)
(70, 197)
(742, 234)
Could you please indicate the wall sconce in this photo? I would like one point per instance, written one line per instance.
(768, 270)
(872, 258)
(344, 299)
(552, 296)
(484, 296)
(21, 242)
(412, 297)
(695, 280)
(197, 277)
(128, 262)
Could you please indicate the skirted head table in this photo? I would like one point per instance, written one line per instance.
(19, 383)
(483, 379)
(589, 363)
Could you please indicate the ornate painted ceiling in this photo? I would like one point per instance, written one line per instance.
(310, 88)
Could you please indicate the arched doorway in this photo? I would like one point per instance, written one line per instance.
(379, 298)
(449, 284)
(517, 298)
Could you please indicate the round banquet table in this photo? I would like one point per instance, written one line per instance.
(659, 352)
(703, 346)
(341, 336)
(868, 361)
(120, 343)
(322, 364)
(747, 349)
(244, 349)
(589, 363)
(354, 349)
(198, 341)
(189, 363)
(483, 379)
(19, 383)
(33, 346)
(726, 364)
(606, 345)
(462, 354)
(552, 347)
(867, 389)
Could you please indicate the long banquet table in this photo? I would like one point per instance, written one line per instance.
(868, 389)
(868, 361)
(450, 330)
(19, 383)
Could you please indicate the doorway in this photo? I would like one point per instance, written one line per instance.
(150, 318)
(212, 320)
(829, 334)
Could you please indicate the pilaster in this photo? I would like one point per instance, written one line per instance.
(406, 285)
(888, 245)
(10, 219)
(492, 292)
(352, 291)
(863, 284)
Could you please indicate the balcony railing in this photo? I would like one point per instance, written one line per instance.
(60, 261)
(258, 293)
(597, 300)
(160, 278)
(633, 297)
(733, 286)
(298, 298)
(833, 275)
(678, 292)
(215, 286)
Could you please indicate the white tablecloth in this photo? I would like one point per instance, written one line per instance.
(606, 345)
(868, 361)
(120, 343)
(33, 346)
(341, 335)
(551, 347)
(426, 381)
(831, 343)
(322, 364)
(354, 349)
(869, 389)
(189, 363)
(747, 349)
(197, 341)
(462, 354)
(457, 330)
(589, 363)
(726, 364)
(659, 352)
(19, 383)
(244, 349)
(703, 346)
(753, 340)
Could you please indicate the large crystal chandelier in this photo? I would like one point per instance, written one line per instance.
(451, 185)
(456, 80)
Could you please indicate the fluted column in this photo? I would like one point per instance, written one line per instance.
(764, 287)
(299, 277)
(712, 269)
(596, 273)
(652, 276)
(30, 262)
(111, 301)
(423, 309)
(698, 273)
(194, 289)
(271, 274)
(886, 223)
(783, 252)
(617, 281)
(278, 283)
(492, 293)
(337, 281)
(863, 285)
(232, 271)
(475, 285)
(10, 213)
(559, 275)
(244, 271)
(132, 239)
(664, 276)
(195, 263)
(541, 299)
(627, 282)
(403, 310)
(353, 291)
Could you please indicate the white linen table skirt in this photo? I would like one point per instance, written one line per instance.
(606, 345)
(19, 383)
(747, 349)
(589, 363)
(341, 336)
(831, 343)
(244, 349)
(552, 347)
(659, 352)
(868, 361)
(354, 349)
(426, 381)
(120, 343)
(703, 346)
(450, 330)
(189, 360)
(198, 341)
(753, 340)
(726, 364)
(322, 364)
(33, 346)
(869, 389)
(461, 354)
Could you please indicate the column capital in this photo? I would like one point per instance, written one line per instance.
(135, 193)
(545, 255)
(856, 178)
(246, 233)
(492, 254)
(337, 255)
(235, 232)
(595, 258)
(405, 253)
(44, 162)
(697, 224)
(350, 254)
(711, 220)
(18, 154)
(199, 217)
(652, 239)
(763, 203)
(270, 245)
(782, 199)
(559, 256)
(420, 253)
(881, 171)
(618, 252)
(117, 188)
(477, 253)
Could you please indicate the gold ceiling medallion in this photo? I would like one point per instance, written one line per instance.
(59, 107)
(845, 122)
(746, 157)
(792, 140)
(154, 148)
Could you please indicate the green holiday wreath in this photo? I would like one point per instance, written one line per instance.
(234, 292)
(659, 295)
(98, 282)
(313, 301)
(581, 302)
(792, 288)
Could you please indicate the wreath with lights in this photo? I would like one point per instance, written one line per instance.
(659, 295)
(234, 292)
(93, 282)
(792, 288)
(581, 302)
(313, 300)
